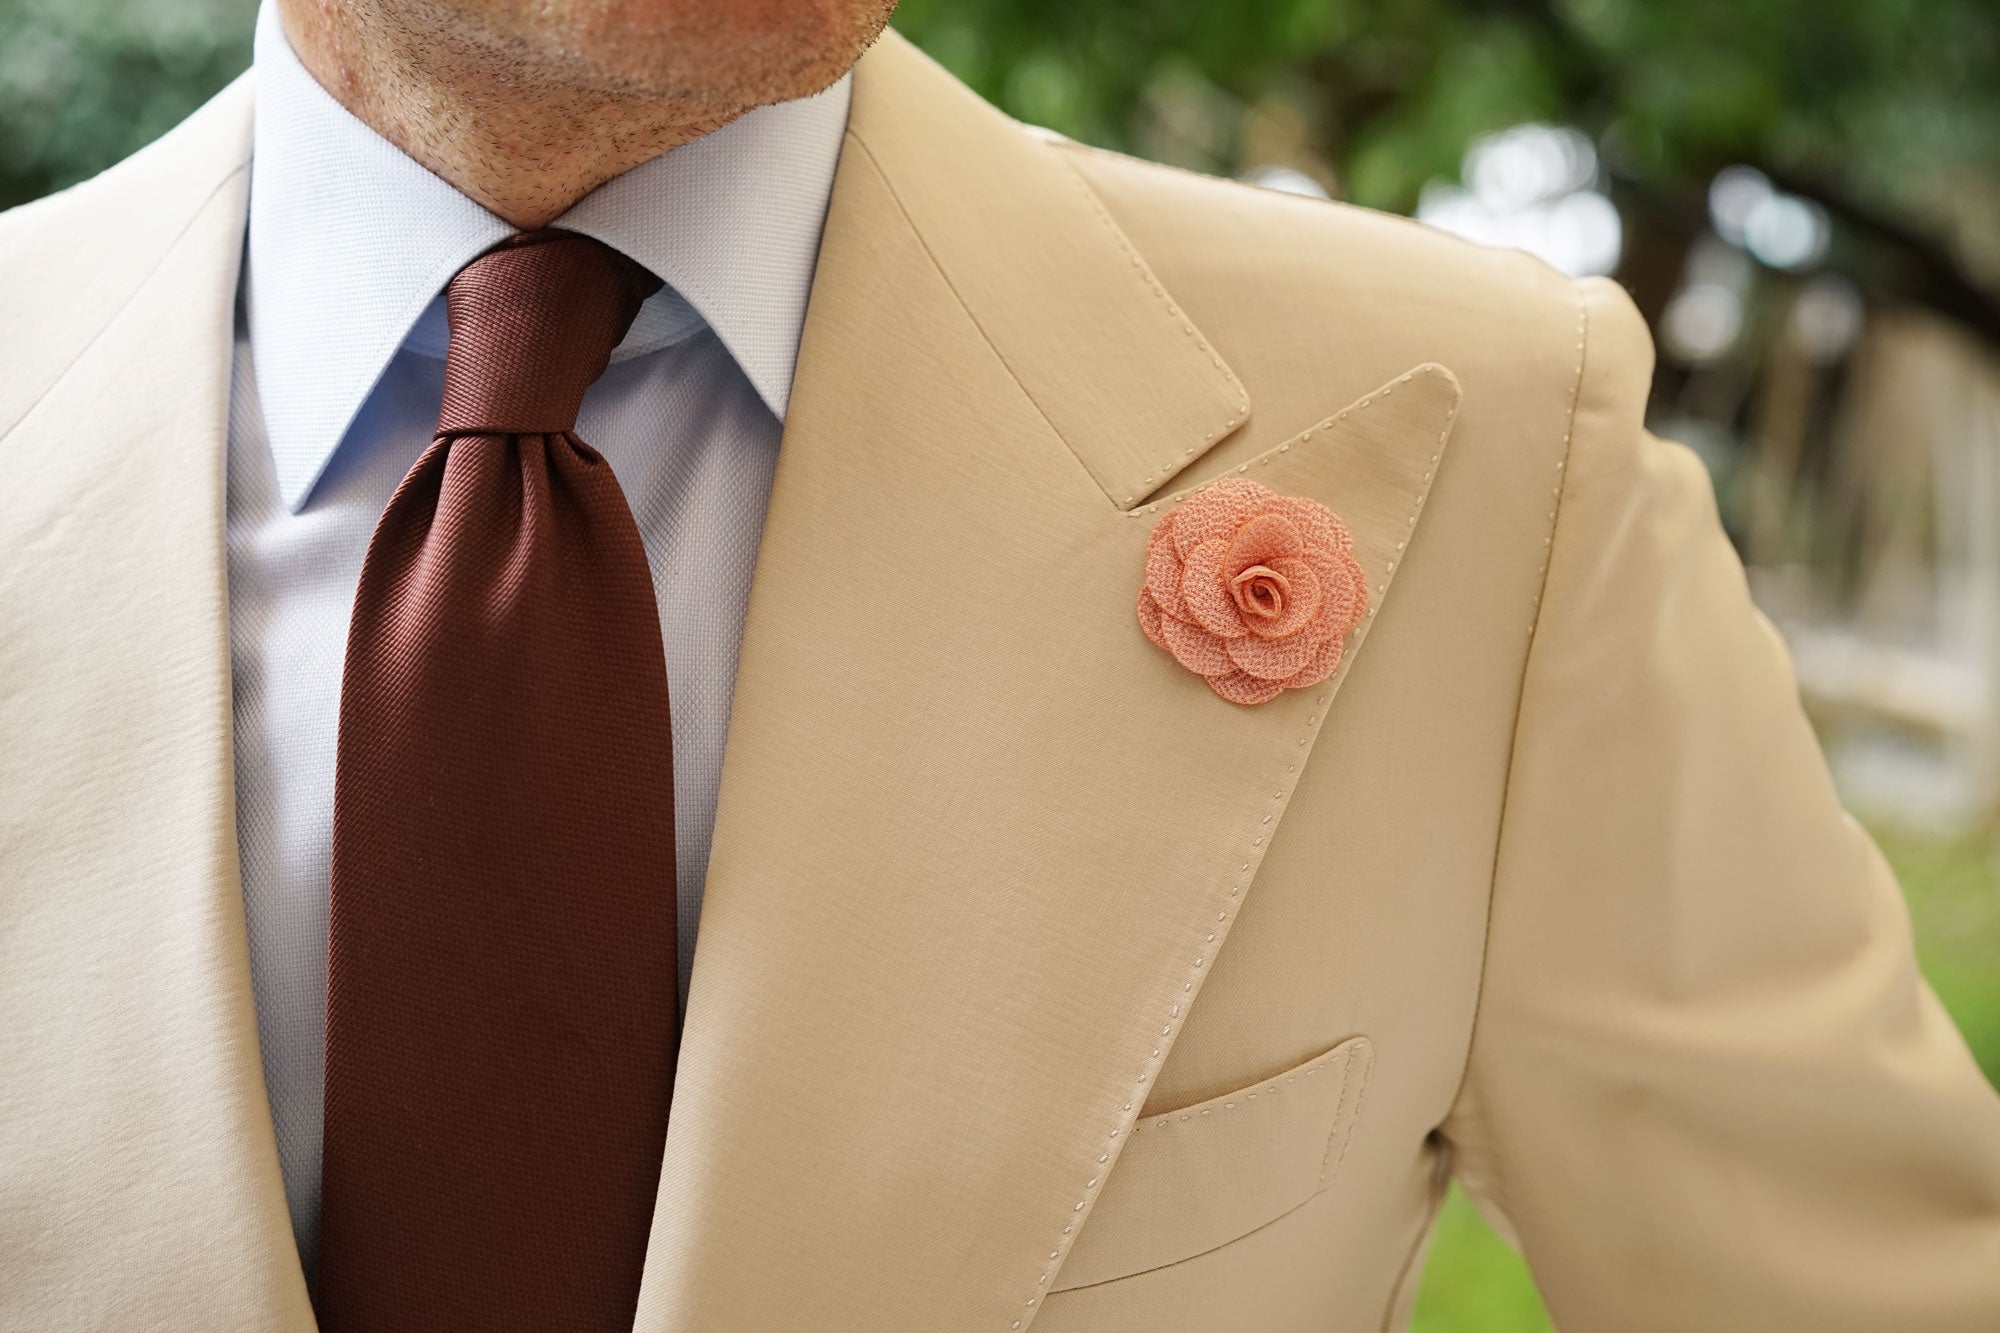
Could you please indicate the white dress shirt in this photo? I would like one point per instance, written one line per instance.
(337, 380)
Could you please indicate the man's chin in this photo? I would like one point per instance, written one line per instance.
(722, 53)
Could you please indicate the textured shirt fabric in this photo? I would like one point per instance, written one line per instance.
(338, 374)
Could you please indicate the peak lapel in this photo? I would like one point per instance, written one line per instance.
(1054, 287)
(978, 840)
(139, 1180)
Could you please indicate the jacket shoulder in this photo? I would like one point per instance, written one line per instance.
(69, 262)
(1315, 302)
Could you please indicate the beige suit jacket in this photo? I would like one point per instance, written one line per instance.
(1036, 984)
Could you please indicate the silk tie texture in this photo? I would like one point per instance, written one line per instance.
(501, 988)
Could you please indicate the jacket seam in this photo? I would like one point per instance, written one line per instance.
(1411, 1269)
(1167, 468)
(1345, 1119)
(875, 164)
(1557, 494)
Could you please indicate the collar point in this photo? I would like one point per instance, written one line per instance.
(295, 483)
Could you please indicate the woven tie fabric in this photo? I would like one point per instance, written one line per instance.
(500, 975)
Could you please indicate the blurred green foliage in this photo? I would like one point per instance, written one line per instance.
(84, 83)
(1893, 105)
(1474, 1283)
(1953, 888)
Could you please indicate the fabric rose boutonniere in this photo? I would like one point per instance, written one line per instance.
(1253, 591)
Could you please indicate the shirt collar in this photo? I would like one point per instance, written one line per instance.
(350, 242)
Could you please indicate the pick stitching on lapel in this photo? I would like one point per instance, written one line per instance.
(1374, 461)
(1049, 278)
(978, 840)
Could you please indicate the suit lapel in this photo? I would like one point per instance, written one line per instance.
(139, 1179)
(978, 840)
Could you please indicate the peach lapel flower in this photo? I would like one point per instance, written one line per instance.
(1253, 591)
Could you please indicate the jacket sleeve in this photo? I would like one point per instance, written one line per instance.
(1707, 1087)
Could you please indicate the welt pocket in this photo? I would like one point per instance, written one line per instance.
(1198, 1177)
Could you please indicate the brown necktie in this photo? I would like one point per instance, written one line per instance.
(501, 986)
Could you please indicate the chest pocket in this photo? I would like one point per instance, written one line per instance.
(1196, 1178)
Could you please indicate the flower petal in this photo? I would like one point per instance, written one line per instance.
(1326, 656)
(1299, 559)
(1205, 591)
(1302, 601)
(1194, 647)
(1272, 659)
(1150, 617)
(1216, 510)
(1266, 537)
(1320, 526)
(1344, 588)
(1240, 688)
(1163, 570)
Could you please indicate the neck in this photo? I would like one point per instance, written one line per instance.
(478, 112)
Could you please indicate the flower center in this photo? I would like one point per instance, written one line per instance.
(1260, 591)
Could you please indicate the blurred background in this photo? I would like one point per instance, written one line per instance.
(1803, 196)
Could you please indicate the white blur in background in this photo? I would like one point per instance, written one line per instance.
(1534, 188)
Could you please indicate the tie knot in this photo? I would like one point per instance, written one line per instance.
(533, 324)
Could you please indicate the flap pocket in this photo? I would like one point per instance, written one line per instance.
(1192, 1179)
